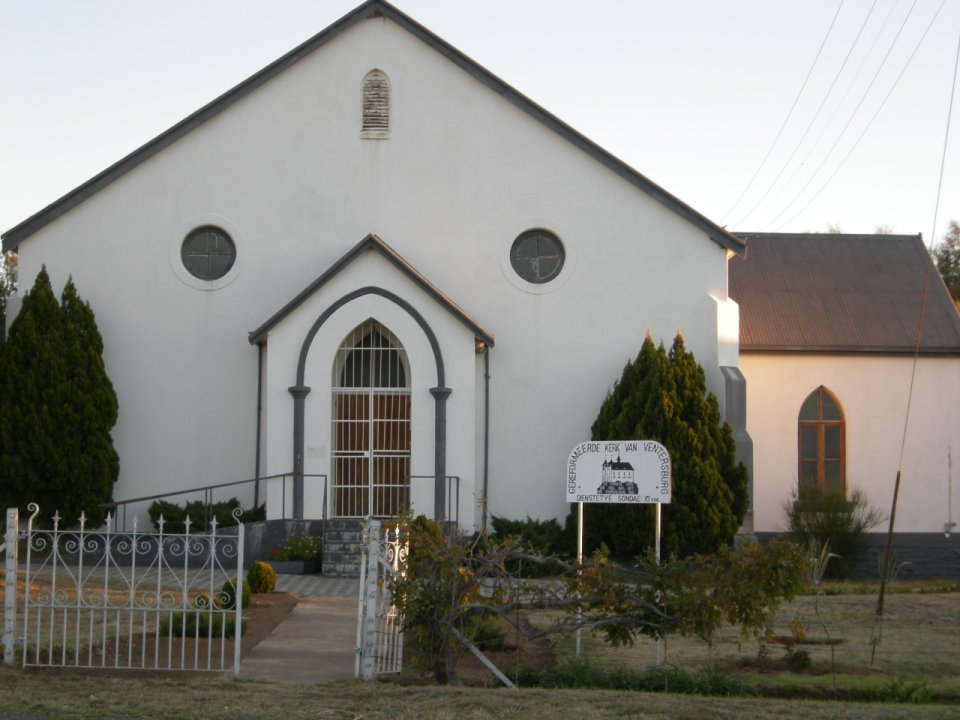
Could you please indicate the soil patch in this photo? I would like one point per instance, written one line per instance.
(148, 652)
(519, 653)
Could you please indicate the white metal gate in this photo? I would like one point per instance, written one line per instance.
(379, 633)
(131, 600)
(371, 424)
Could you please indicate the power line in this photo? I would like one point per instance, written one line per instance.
(789, 112)
(862, 134)
(829, 123)
(836, 77)
(846, 126)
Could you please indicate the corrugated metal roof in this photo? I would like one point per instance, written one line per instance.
(840, 293)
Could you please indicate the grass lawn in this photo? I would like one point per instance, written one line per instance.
(917, 645)
(68, 695)
(917, 658)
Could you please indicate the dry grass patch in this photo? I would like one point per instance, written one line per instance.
(73, 695)
(918, 648)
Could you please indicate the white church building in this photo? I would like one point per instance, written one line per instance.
(377, 269)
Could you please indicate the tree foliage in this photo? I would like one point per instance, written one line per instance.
(57, 407)
(432, 594)
(947, 257)
(8, 286)
(663, 396)
(695, 596)
(447, 583)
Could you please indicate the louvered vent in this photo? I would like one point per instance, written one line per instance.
(376, 104)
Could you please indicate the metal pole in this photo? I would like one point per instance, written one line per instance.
(579, 564)
(657, 530)
(886, 562)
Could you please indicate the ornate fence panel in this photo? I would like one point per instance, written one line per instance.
(131, 600)
(379, 633)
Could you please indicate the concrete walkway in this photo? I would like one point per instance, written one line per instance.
(316, 642)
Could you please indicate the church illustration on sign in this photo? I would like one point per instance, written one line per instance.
(617, 478)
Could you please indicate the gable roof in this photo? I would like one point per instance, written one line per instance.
(374, 243)
(372, 8)
(841, 293)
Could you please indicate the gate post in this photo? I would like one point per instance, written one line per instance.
(238, 616)
(10, 597)
(368, 605)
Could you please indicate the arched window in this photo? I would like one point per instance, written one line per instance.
(371, 424)
(376, 105)
(821, 442)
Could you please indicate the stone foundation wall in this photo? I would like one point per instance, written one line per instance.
(928, 556)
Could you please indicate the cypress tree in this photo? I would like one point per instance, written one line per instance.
(710, 488)
(663, 397)
(32, 379)
(90, 405)
(56, 408)
(630, 408)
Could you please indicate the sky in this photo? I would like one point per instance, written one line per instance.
(764, 115)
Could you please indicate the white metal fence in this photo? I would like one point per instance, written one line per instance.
(379, 633)
(124, 600)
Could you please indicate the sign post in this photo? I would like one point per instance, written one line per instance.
(619, 472)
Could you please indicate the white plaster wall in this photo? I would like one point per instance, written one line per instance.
(873, 392)
(462, 174)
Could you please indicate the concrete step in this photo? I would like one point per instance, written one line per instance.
(342, 547)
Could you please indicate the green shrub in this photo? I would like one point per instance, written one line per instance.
(487, 633)
(585, 674)
(797, 660)
(261, 577)
(227, 599)
(537, 537)
(902, 691)
(828, 519)
(298, 547)
(200, 623)
(201, 515)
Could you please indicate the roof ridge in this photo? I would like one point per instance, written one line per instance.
(375, 243)
(371, 8)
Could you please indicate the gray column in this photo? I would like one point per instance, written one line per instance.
(440, 395)
(299, 393)
(735, 413)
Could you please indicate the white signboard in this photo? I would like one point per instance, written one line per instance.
(625, 471)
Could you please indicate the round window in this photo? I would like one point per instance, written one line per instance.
(208, 253)
(537, 256)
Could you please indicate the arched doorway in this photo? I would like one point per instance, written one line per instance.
(371, 424)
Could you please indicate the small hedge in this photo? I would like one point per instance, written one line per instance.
(537, 537)
(668, 678)
(175, 516)
(227, 599)
(487, 634)
(261, 577)
(200, 623)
